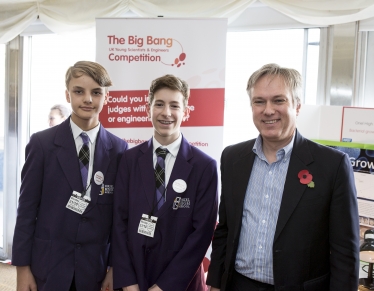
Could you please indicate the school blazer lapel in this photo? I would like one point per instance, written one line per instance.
(147, 173)
(67, 156)
(101, 162)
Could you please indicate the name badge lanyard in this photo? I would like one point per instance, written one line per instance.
(147, 224)
(88, 187)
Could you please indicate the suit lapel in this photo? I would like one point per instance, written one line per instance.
(242, 169)
(301, 157)
(181, 170)
(67, 156)
(101, 162)
(147, 172)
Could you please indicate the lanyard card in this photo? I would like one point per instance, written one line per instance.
(147, 225)
(77, 203)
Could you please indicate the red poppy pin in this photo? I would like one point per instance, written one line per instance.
(306, 178)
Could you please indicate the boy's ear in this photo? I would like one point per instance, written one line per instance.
(148, 109)
(67, 95)
(106, 97)
(186, 113)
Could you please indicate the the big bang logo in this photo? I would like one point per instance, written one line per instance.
(132, 48)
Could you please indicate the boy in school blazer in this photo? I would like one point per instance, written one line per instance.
(170, 257)
(56, 248)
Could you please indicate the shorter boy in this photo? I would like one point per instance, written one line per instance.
(165, 206)
(62, 234)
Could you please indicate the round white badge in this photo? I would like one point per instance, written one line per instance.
(179, 186)
(99, 178)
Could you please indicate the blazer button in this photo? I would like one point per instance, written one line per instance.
(78, 246)
(84, 219)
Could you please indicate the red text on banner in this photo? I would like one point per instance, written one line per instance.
(128, 108)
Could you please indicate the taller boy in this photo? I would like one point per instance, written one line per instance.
(165, 206)
(59, 245)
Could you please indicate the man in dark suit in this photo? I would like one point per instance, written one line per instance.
(162, 229)
(288, 216)
(62, 235)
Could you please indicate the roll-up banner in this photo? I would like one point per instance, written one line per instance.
(136, 51)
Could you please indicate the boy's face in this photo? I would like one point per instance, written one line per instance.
(87, 99)
(167, 113)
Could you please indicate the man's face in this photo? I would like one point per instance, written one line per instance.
(167, 113)
(274, 113)
(87, 99)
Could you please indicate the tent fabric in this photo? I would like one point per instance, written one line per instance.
(63, 16)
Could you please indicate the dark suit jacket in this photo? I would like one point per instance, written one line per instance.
(55, 241)
(317, 234)
(172, 259)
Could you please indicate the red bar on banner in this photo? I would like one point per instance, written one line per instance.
(128, 108)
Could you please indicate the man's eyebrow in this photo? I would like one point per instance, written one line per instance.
(275, 96)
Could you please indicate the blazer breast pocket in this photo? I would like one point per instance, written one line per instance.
(105, 199)
(315, 199)
(107, 189)
(182, 207)
(110, 178)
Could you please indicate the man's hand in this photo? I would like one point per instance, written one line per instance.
(108, 281)
(25, 279)
(155, 288)
(131, 288)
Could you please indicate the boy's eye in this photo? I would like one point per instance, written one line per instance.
(174, 106)
(97, 92)
(157, 104)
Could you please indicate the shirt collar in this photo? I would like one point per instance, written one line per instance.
(173, 148)
(257, 147)
(92, 133)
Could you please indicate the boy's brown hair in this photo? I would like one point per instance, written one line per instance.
(170, 82)
(94, 70)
